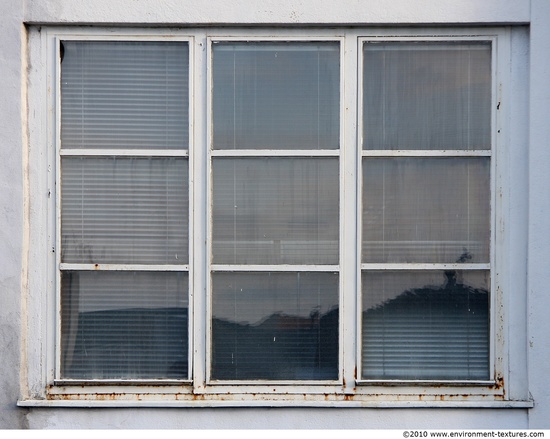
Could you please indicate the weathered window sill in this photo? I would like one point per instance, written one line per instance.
(159, 403)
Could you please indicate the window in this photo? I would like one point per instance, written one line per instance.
(426, 210)
(124, 259)
(285, 217)
(275, 221)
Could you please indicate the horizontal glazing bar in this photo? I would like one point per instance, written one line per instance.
(123, 267)
(140, 382)
(125, 152)
(425, 153)
(413, 266)
(232, 384)
(453, 383)
(274, 152)
(278, 268)
(409, 45)
(274, 45)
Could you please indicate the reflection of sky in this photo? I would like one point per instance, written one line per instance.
(104, 290)
(276, 210)
(426, 209)
(252, 297)
(427, 96)
(276, 95)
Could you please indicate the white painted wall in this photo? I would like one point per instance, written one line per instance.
(11, 209)
(529, 202)
(278, 11)
(539, 213)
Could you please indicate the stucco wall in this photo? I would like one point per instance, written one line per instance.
(272, 418)
(278, 11)
(533, 210)
(539, 210)
(11, 210)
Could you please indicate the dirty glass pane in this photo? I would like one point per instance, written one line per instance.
(124, 210)
(432, 210)
(124, 95)
(121, 325)
(275, 326)
(275, 211)
(419, 95)
(277, 95)
(425, 325)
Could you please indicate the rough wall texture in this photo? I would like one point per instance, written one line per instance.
(11, 211)
(278, 11)
(254, 418)
(539, 208)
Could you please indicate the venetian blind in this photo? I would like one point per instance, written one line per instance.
(271, 209)
(124, 95)
(430, 207)
(125, 205)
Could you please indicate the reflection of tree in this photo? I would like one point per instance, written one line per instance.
(429, 333)
(279, 347)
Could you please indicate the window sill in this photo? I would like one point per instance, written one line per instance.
(306, 402)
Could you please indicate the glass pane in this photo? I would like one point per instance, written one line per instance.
(124, 210)
(426, 210)
(275, 211)
(276, 95)
(426, 325)
(124, 95)
(419, 95)
(275, 326)
(118, 325)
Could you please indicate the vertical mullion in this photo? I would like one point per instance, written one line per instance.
(498, 361)
(349, 230)
(201, 66)
(358, 290)
(190, 210)
(56, 242)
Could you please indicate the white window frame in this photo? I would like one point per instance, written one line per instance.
(41, 334)
(494, 369)
(157, 268)
(223, 386)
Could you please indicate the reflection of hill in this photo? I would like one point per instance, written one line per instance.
(281, 347)
(425, 333)
(127, 343)
(152, 343)
(429, 333)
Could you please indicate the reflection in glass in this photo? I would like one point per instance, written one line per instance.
(426, 210)
(275, 211)
(122, 325)
(276, 95)
(275, 326)
(431, 325)
(125, 94)
(419, 95)
(124, 210)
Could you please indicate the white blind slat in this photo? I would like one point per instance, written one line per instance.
(124, 210)
(124, 325)
(276, 95)
(125, 95)
(425, 325)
